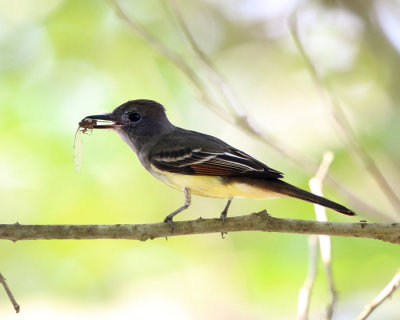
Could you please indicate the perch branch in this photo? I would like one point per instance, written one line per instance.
(9, 293)
(260, 221)
(381, 297)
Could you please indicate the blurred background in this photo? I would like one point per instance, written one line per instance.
(63, 60)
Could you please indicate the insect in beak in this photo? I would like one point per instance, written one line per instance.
(100, 121)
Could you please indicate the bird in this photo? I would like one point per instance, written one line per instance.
(194, 162)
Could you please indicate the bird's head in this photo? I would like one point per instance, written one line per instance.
(136, 121)
(134, 113)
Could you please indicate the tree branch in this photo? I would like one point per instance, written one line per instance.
(259, 221)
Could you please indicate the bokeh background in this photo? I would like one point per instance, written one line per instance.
(63, 60)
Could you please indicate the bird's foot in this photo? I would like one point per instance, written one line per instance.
(168, 220)
(223, 216)
(223, 219)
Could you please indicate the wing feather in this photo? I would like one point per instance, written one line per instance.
(196, 161)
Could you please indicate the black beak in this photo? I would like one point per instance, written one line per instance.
(100, 121)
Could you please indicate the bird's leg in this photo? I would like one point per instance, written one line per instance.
(223, 216)
(168, 218)
(225, 211)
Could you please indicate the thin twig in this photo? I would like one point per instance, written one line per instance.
(241, 121)
(9, 293)
(260, 221)
(303, 303)
(324, 241)
(381, 297)
(343, 123)
(325, 247)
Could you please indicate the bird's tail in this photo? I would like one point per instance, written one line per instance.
(287, 189)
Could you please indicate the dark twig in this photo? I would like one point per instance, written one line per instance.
(9, 293)
(381, 297)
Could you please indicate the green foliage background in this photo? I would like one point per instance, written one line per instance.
(64, 60)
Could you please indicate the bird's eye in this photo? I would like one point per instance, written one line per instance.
(134, 117)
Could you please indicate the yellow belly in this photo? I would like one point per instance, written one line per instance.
(213, 186)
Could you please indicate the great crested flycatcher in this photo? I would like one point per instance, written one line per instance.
(194, 162)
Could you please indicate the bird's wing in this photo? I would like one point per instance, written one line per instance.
(197, 161)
